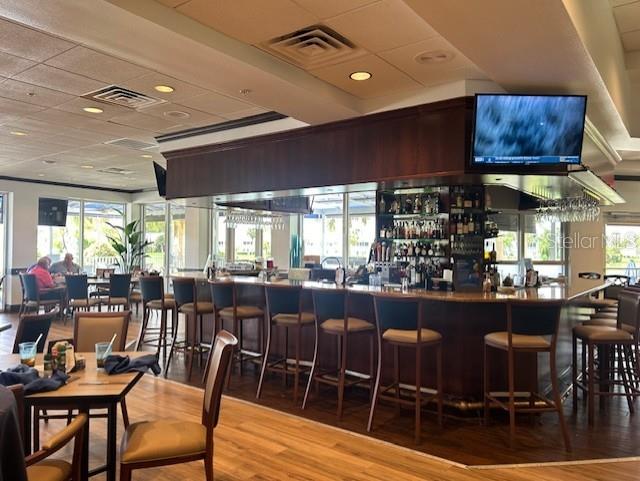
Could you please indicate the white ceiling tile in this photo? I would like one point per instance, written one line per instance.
(241, 114)
(331, 8)
(628, 17)
(146, 84)
(10, 107)
(28, 43)
(147, 122)
(631, 40)
(32, 94)
(175, 113)
(249, 20)
(96, 65)
(215, 103)
(172, 3)
(382, 26)
(57, 79)
(11, 65)
(77, 104)
(385, 78)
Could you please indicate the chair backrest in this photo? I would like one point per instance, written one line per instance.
(329, 304)
(30, 326)
(77, 286)
(18, 393)
(93, 327)
(397, 312)
(533, 317)
(629, 309)
(223, 294)
(120, 285)
(184, 290)
(217, 370)
(282, 299)
(30, 286)
(203, 291)
(151, 288)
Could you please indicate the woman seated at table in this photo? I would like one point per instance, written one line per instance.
(66, 266)
(44, 280)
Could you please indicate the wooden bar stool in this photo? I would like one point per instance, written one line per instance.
(619, 342)
(227, 308)
(188, 303)
(399, 323)
(153, 298)
(331, 308)
(284, 310)
(532, 327)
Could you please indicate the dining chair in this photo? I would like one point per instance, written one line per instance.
(30, 326)
(164, 442)
(78, 292)
(39, 467)
(153, 299)
(119, 291)
(31, 297)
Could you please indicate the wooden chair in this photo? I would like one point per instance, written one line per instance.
(31, 295)
(285, 311)
(226, 307)
(163, 442)
(78, 293)
(331, 309)
(154, 299)
(30, 326)
(185, 294)
(39, 468)
(119, 291)
(399, 323)
(532, 327)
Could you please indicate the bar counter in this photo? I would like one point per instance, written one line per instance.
(463, 319)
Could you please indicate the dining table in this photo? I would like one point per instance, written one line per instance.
(88, 389)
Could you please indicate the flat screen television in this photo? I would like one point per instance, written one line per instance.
(52, 212)
(527, 130)
(161, 179)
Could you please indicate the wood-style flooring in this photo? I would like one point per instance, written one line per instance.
(261, 443)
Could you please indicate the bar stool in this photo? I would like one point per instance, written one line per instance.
(153, 298)
(619, 341)
(284, 310)
(532, 327)
(226, 308)
(331, 308)
(187, 303)
(399, 323)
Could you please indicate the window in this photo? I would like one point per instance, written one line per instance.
(177, 238)
(55, 241)
(266, 243)
(623, 250)
(362, 227)
(322, 230)
(221, 241)
(506, 244)
(542, 240)
(244, 243)
(153, 216)
(99, 217)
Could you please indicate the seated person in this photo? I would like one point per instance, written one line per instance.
(44, 280)
(66, 266)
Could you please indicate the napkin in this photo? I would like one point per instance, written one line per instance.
(31, 380)
(115, 364)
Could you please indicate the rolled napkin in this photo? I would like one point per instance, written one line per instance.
(31, 380)
(115, 364)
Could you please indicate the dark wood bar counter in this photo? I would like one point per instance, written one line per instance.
(463, 319)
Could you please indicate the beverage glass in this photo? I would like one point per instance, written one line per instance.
(28, 353)
(102, 351)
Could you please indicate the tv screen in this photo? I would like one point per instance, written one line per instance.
(52, 212)
(528, 129)
(161, 179)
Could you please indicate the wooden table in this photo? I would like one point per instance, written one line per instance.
(91, 388)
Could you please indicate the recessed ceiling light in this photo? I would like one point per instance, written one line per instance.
(147, 156)
(360, 75)
(86, 166)
(177, 114)
(93, 110)
(18, 133)
(434, 56)
(40, 175)
(165, 89)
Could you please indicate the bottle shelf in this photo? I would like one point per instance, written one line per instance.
(416, 239)
(387, 215)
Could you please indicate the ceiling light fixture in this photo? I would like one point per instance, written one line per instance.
(86, 166)
(434, 56)
(359, 76)
(165, 89)
(146, 156)
(93, 110)
(18, 133)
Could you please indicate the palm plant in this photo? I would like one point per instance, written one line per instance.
(130, 246)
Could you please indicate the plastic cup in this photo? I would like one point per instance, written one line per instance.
(102, 351)
(28, 352)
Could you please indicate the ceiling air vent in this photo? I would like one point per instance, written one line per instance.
(116, 171)
(123, 97)
(313, 47)
(131, 144)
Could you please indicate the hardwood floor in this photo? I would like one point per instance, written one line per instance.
(260, 443)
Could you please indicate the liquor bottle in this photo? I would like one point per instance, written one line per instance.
(476, 200)
(417, 204)
(382, 205)
(408, 205)
(467, 201)
(460, 228)
(459, 199)
(493, 255)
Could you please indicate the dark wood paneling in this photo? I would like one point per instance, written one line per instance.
(422, 141)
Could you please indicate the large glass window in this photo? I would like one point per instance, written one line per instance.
(623, 250)
(322, 230)
(244, 243)
(99, 217)
(154, 232)
(506, 244)
(55, 242)
(542, 239)
(266, 243)
(362, 227)
(177, 238)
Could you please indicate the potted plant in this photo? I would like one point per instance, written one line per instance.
(129, 247)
